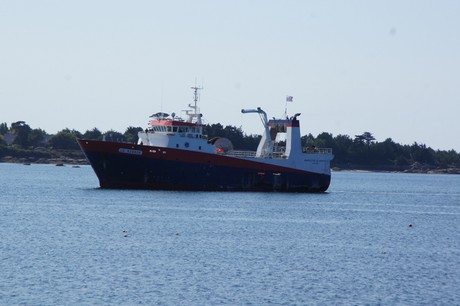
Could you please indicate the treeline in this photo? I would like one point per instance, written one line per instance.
(358, 152)
(22, 136)
(363, 152)
(19, 140)
(239, 139)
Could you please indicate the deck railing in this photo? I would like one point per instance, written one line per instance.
(239, 153)
(280, 153)
(310, 150)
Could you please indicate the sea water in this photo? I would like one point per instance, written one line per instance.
(373, 238)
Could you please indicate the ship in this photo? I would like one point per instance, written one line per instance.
(173, 153)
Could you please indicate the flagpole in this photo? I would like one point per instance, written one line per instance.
(288, 99)
(285, 107)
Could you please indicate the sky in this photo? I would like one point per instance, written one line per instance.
(390, 67)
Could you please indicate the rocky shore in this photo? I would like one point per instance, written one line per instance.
(432, 171)
(32, 160)
(414, 168)
(419, 168)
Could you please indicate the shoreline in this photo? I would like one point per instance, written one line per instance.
(414, 171)
(437, 171)
(366, 169)
(44, 161)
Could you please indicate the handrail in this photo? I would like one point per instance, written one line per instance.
(310, 150)
(241, 153)
(280, 153)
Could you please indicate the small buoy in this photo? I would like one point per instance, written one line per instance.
(410, 225)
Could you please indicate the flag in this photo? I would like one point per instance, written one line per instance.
(289, 98)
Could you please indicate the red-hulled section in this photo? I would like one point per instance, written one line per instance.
(122, 165)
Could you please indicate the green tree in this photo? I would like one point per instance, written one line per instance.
(361, 154)
(131, 134)
(93, 134)
(366, 137)
(3, 128)
(36, 137)
(307, 140)
(325, 140)
(422, 154)
(22, 131)
(447, 159)
(112, 135)
(341, 148)
(234, 134)
(384, 153)
(65, 140)
(250, 142)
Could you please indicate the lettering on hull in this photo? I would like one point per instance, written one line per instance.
(130, 151)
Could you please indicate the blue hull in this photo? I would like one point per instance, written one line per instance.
(206, 172)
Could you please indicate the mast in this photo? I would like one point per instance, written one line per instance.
(194, 106)
(195, 98)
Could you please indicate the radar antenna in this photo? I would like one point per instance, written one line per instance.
(195, 97)
(194, 108)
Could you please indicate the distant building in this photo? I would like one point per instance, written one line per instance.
(9, 138)
(46, 139)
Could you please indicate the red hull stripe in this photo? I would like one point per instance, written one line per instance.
(172, 123)
(171, 154)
